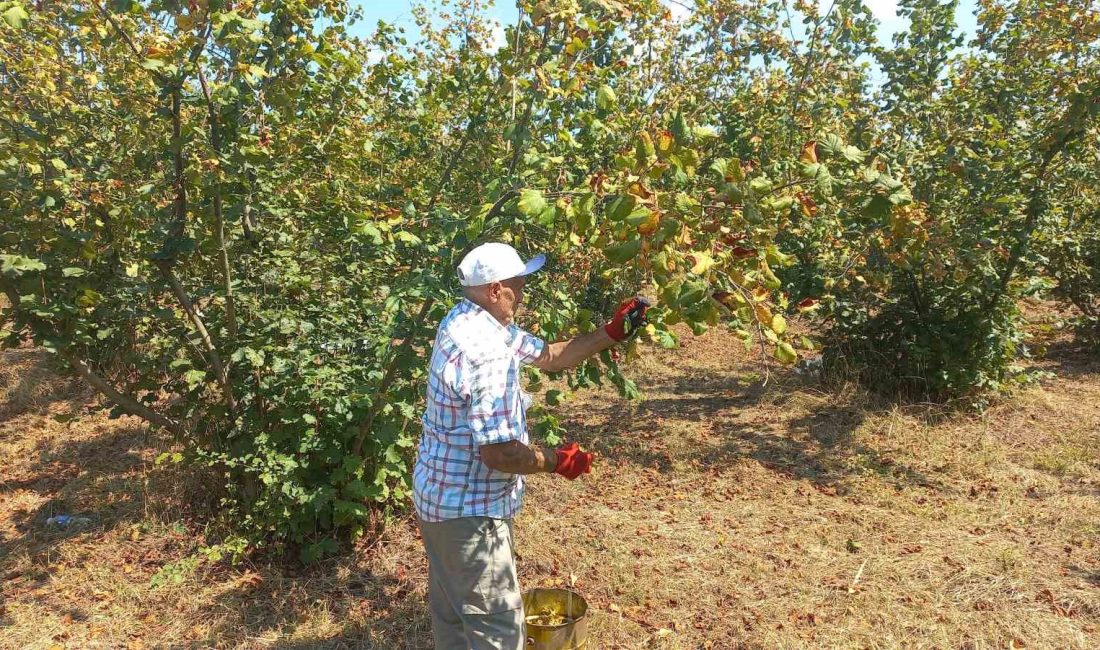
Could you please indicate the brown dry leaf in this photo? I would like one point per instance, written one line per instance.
(251, 579)
(809, 152)
(640, 191)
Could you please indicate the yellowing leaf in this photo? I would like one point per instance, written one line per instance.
(785, 353)
(763, 314)
(15, 16)
(700, 263)
(531, 202)
(778, 324)
(605, 98)
(664, 141)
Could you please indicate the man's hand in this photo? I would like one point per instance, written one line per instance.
(628, 319)
(572, 462)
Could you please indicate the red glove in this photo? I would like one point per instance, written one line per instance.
(628, 319)
(572, 462)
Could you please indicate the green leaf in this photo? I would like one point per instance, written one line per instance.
(531, 202)
(372, 231)
(582, 213)
(704, 132)
(831, 144)
(623, 252)
(554, 397)
(638, 216)
(15, 16)
(876, 207)
(620, 207)
(194, 378)
(254, 357)
(14, 266)
(665, 339)
(605, 98)
(407, 237)
(680, 129)
(852, 154)
(393, 455)
(345, 512)
(72, 271)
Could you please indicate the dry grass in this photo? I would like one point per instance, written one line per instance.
(721, 514)
(28, 383)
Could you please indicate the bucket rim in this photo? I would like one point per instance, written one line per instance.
(559, 625)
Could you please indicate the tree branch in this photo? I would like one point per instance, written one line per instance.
(219, 226)
(125, 402)
(179, 226)
(189, 308)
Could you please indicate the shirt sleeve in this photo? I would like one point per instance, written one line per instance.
(490, 411)
(526, 345)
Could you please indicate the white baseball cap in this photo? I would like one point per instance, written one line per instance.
(494, 262)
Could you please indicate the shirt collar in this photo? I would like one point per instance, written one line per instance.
(492, 324)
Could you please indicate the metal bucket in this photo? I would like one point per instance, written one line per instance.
(571, 635)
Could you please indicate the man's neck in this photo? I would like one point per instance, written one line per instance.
(489, 310)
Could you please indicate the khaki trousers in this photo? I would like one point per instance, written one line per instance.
(473, 589)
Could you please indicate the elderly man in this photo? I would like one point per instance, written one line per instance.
(468, 481)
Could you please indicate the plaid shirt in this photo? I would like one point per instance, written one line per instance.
(474, 398)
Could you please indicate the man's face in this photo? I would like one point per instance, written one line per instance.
(507, 298)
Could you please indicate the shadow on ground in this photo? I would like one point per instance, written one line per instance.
(145, 517)
(815, 443)
(1069, 358)
(371, 610)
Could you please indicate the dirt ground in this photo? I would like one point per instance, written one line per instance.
(721, 514)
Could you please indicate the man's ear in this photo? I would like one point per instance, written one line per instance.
(493, 291)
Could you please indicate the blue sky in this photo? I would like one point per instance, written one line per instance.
(399, 13)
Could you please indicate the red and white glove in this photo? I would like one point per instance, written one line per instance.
(628, 319)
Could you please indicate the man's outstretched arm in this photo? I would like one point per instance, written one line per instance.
(628, 318)
(515, 457)
(563, 355)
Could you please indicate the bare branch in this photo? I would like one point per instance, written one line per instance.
(189, 308)
(223, 254)
(125, 402)
(179, 226)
